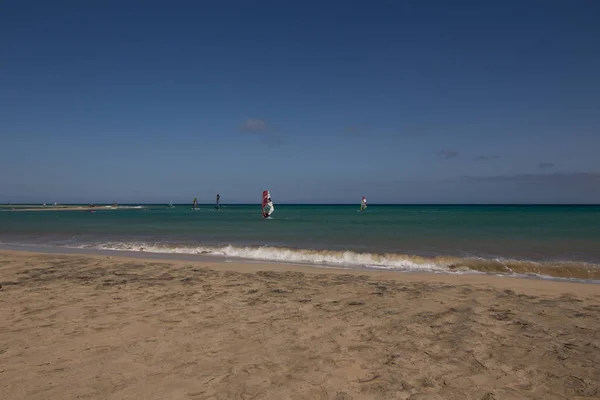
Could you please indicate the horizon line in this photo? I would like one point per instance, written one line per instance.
(300, 204)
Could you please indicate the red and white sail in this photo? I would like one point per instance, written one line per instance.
(267, 204)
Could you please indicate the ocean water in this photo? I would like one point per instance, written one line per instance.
(554, 241)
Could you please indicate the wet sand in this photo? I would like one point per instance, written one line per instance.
(98, 327)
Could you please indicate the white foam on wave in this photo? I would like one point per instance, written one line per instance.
(348, 259)
(281, 254)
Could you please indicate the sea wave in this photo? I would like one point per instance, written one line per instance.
(385, 261)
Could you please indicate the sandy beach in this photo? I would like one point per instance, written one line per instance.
(98, 327)
(20, 208)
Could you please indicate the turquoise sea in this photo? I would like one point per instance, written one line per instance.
(558, 241)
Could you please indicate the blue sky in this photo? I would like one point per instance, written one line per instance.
(405, 102)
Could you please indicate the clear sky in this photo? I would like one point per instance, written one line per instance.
(401, 101)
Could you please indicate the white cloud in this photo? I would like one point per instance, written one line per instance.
(447, 154)
(254, 125)
(260, 128)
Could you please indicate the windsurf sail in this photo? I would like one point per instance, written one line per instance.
(267, 204)
(171, 204)
(363, 203)
(195, 203)
(218, 201)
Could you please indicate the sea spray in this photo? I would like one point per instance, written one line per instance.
(384, 261)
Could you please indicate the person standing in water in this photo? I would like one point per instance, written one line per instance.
(218, 200)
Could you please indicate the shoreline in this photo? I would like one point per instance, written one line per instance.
(97, 326)
(488, 268)
(66, 208)
(252, 266)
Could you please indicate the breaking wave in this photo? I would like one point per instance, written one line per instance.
(385, 261)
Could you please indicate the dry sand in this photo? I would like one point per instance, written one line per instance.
(93, 327)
